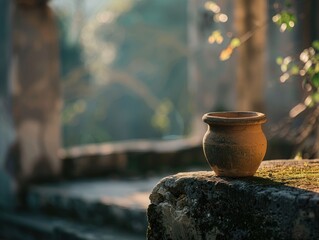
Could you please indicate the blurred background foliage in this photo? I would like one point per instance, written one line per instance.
(124, 70)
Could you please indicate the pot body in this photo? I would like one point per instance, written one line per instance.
(234, 146)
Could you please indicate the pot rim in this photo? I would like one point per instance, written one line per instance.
(234, 118)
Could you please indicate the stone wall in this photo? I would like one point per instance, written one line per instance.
(281, 202)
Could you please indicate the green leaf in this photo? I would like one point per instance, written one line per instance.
(279, 60)
(294, 70)
(315, 45)
(310, 71)
(285, 19)
(315, 97)
(235, 42)
(315, 80)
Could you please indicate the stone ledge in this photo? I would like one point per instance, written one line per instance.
(132, 158)
(118, 203)
(281, 202)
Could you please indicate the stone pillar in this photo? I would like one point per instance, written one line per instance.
(34, 94)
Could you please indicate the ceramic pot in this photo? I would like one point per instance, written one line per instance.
(234, 144)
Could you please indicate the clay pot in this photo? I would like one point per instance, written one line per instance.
(234, 144)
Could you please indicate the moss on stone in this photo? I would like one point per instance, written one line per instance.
(302, 174)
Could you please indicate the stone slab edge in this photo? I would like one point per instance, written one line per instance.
(199, 205)
(94, 212)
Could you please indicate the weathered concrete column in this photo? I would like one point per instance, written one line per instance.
(281, 202)
(33, 95)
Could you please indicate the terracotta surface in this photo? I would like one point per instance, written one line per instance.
(234, 144)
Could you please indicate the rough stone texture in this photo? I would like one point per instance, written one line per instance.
(281, 202)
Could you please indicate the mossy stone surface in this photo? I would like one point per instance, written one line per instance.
(280, 202)
(303, 174)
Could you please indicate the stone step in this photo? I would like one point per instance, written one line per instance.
(31, 226)
(118, 203)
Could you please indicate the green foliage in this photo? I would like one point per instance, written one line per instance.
(294, 70)
(315, 45)
(315, 80)
(306, 66)
(160, 119)
(235, 42)
(122, 65)
(286, 20)
(279, 60)
(72, 111)
(315, 97)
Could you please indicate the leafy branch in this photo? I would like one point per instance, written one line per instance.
(305, 67)
(285, 19)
